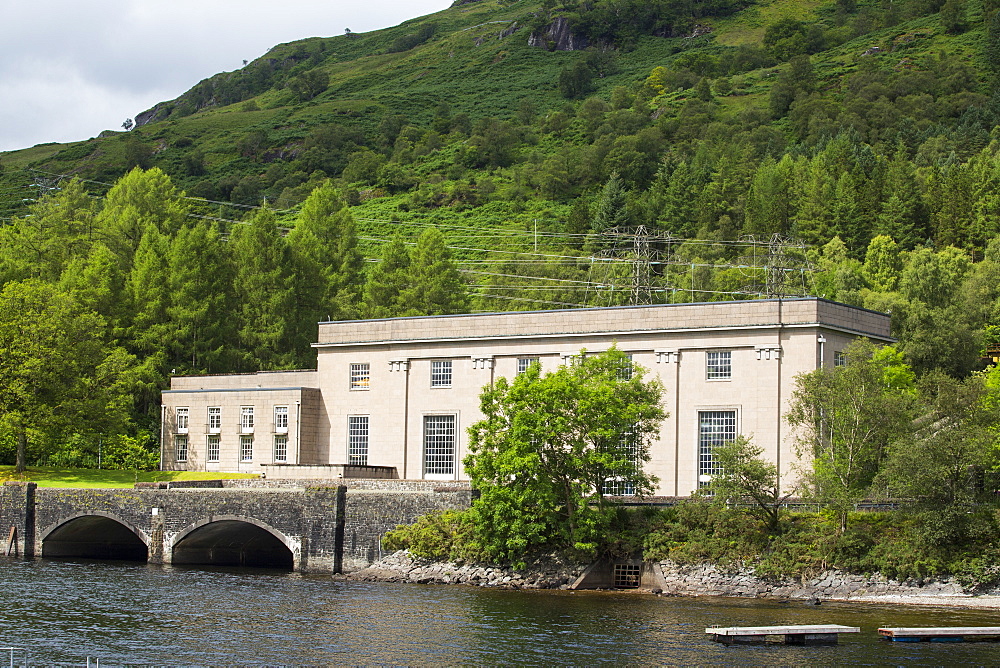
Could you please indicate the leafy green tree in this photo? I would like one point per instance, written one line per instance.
(746, 478)
(59, 229)
(550, 445)
(953, 16)
(436, 286)
(309, 84)
(883, 264)
(768, 207)
(200, 286)
(612, 207)
(139, 201)
(324, 248)
(262, 288)
(97, 282)
(576, 80)
(953, 444)
(57, 375)
(387, 282)
(846, 418)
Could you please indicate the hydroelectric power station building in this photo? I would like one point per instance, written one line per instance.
(393, 398)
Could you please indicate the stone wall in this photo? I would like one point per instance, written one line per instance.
(709, 580)
(308, 519)
(17, 510)
(371, 513)
(327, 527)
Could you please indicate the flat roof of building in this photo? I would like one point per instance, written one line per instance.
(610, 321)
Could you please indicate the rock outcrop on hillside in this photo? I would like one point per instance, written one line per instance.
(558, 37)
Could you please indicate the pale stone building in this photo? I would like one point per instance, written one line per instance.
(394, 397)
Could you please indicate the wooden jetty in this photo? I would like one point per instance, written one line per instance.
(806, 634)
(940, 633)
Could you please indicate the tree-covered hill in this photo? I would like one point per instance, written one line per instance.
(596, 152)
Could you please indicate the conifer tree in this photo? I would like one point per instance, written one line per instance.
(437, 288)
(140, 200)
(200, 285)
(328, 280)
(262, 288)
(59, 229)
(387, 282)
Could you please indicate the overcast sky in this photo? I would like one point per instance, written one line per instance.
(72, 68)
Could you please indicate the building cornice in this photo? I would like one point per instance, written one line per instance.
(609, 333)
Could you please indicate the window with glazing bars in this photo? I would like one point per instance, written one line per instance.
(246, 448)
(441, 373)
(714, 429)
(719, 365)
(212, 448)
(839, 358)
(523, 363)
(181, 448)
(280, 448)
(623, 486)
(357, 440)
(281, 418)
(360, 376)
(214, 419)
(439, 444)
(246, 418)
(625, 368)
(182, 420)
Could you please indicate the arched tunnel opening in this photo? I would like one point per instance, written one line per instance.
(95, 537)
(233, 543)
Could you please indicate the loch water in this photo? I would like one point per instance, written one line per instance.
(64, 612)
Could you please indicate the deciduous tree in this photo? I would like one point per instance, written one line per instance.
(549, 446)
(57, 375)
(847, 417)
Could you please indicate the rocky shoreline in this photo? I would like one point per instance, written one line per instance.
(831, 585)
(667, 578)
(548, 573)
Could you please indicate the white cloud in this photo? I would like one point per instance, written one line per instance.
(69, 69)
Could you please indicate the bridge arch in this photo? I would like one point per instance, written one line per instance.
(234, 540)
(95, 535)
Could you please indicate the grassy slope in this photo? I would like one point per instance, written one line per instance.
(69, 477)
(468, 66)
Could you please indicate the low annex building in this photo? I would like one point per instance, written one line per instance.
(393, 398)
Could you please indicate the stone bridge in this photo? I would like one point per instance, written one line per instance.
(318, 527)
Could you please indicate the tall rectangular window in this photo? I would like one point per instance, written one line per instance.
(280, 448)
(182, 420)
(623, 486)
(441, 373)
(439, 445)
(360, 376)
(246, 419)
(714, 428)
(181, 448)
(719, 364)
(839, 358)
(281, 419)
(246, 448)
(625, 368)
(212, 447)
(357, 440)
(214, 420)
(524, 363)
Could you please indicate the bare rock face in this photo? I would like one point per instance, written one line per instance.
(558, 37)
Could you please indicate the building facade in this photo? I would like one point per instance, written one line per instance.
(394, 397)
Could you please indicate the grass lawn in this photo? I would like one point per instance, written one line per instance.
(68, 477)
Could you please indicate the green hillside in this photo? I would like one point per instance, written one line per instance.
(569, 154)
